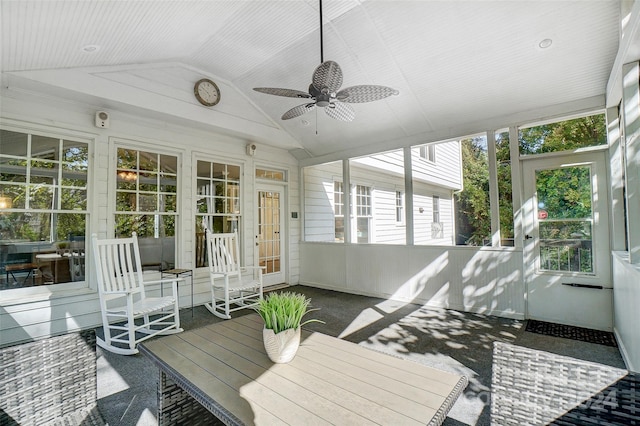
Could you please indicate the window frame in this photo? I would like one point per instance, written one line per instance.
(197, 215)
(159, 149)
(17, 295)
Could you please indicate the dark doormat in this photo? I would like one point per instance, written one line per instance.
(570, 332)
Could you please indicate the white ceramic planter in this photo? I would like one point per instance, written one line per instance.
(281, 347)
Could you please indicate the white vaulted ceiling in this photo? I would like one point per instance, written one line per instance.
(459, 65)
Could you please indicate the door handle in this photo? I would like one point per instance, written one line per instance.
(528, 237)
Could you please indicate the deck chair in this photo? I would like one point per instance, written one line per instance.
(228, 285)
(129, 315)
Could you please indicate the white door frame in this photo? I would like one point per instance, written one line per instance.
(569, 297)
(281, 276)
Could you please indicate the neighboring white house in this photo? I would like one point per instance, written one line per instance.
(377, 190)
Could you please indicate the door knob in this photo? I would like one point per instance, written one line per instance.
(528, 237)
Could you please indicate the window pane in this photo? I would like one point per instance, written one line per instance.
(323, 218)
(41, 197)
(565, 219)
(218, 197)
(434, 186)
(376, 180)
(505, 192)
(127, 159)
(33, 182)
(13, 170)
(45, 147)
(148, 161)
(564, 135)
(13, 143)
(473, 213)
(14, 196)
(73, 199)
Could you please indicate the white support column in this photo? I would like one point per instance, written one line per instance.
(494, 200)
(408, 195)
(347, 208)
(516, 185)
(616, 165)
(631, 108)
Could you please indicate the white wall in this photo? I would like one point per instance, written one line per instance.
(42, 310)
(475, 279)
(626, 294)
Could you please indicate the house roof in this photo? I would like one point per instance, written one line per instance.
(459, 66)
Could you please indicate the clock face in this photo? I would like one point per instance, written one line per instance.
(207, 92)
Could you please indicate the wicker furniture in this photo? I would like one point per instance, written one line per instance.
(222, 371)
(532, 387)
(50, 381)
(228, 285)
(129, 314)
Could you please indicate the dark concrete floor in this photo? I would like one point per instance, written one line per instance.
(453, 341)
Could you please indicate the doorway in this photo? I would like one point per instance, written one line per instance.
(270, 233)
(567, 259)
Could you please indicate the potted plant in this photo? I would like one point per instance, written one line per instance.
(282, 314)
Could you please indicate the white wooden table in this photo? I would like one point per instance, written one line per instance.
(223, 369)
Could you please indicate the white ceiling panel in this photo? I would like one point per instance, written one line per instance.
(455, 63)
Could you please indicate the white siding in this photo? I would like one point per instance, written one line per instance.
(474, 279)
(445, 171)
(626, 294)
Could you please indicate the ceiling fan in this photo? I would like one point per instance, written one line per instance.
(325, 92)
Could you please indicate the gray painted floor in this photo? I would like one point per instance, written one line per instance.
(449, 340)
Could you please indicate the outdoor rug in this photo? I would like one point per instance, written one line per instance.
(571, 332)
(532, 387)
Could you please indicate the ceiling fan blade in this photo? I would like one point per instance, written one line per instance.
(298, 111)
(365, 93)
(340, 111)
(289, 93)
(329, 75)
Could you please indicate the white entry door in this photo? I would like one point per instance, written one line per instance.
(566, 246)
(270, 233)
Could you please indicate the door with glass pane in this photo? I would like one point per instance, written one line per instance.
(270, 233)
(566, 240)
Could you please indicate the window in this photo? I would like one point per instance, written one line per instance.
(43, 209)
(278, 175)
(473, 211)
(399, 207)
(436, 209)
(146, 197)
(428, 152)
(218, 190)
(324, 203)
(338, 206)
(443, 178)
(363, 213)
(505, 192)
(563, 135)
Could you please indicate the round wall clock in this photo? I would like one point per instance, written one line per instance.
(207, 92)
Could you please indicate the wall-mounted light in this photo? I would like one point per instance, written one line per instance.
(421, 210)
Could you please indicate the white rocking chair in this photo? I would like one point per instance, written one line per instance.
(123, 298)
(223, 254)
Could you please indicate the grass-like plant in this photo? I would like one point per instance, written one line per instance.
(281, 311)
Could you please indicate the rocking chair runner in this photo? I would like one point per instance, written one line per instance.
(123, 297)
(223, 254)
